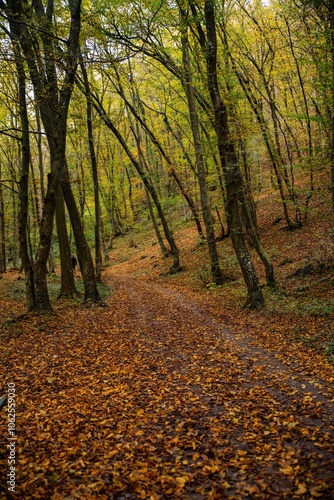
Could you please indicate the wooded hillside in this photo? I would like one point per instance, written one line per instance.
(177, 113)
(166, 249)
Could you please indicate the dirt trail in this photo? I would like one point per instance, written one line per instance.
(160, 307)
(244, 390)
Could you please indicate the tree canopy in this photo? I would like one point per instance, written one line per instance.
(155, 109)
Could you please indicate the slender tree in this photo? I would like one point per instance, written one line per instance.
(205, 202)
(93, 159)
(39, 48)
(231, 169)
(3, 262)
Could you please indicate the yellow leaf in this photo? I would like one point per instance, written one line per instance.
(110, 454)
(301, 489)
(315, 493)
(287, 470)
(181, 481)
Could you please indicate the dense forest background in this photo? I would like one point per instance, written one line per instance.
(118, 117)
(183, 152)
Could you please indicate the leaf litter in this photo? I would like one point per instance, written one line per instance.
(153, 398)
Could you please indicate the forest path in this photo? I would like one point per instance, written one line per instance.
(163, 311)
(242, 397)
(153, 398)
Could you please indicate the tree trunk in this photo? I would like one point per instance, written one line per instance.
(331, 31)
(67, 284)
(164, 250)
(93, 159)
(24, 180)
(51, 260)
(2, 232)
(40, 50)
(40, 158)
(232, 172)
(16, 228)
(205, 202)
(84, 255)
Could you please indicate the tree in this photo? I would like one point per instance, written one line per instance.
(39, 49)
(2, 231)
(144, 177)
(325, 10)
(232, 173)
(206, 208)
(93, 159)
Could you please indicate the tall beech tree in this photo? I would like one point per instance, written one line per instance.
(93, 160)
(233, 176)
(205, 202)
(40, 45)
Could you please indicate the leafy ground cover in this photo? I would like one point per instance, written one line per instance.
(173, 390)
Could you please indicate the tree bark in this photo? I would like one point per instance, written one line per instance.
(93, 159)
(232, 172)
(164, 250)
(67, 284)
(205, 202)
(84, 255)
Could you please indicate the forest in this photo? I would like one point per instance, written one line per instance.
(183, 152)
(120, 113)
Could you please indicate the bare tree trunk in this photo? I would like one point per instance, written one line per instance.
(93, 159)
(67, 284)
(205, 202)
(84, 255)
(232, 172)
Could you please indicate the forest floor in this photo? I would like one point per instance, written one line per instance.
(173, 390)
